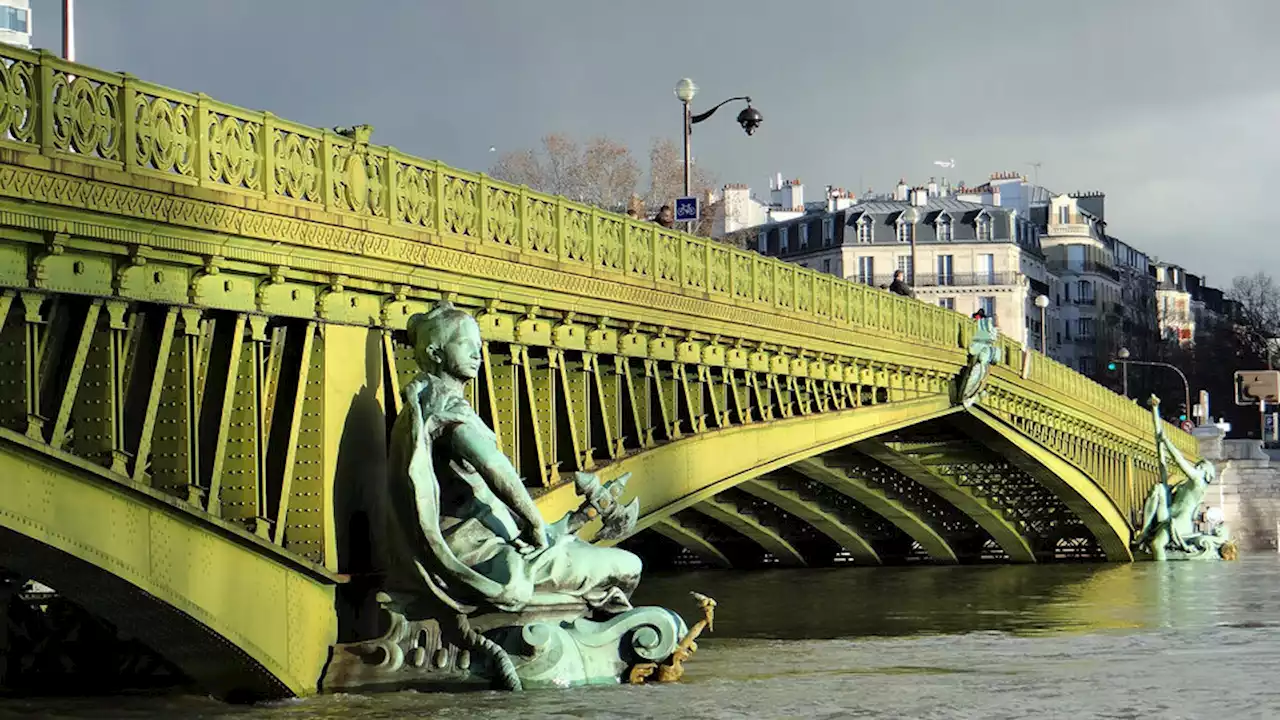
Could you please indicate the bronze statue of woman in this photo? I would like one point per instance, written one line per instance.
(462, 529)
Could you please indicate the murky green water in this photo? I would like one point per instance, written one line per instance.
(1182, 640)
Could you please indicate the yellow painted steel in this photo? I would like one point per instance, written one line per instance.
(684, 473)
(673, 529)
(877, 502)
(1015, 546)
(275, 609)
(848, 538)
(760, 533)
(1077, 490)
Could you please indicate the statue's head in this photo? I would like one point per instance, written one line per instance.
(446, 340)
(1208, 470)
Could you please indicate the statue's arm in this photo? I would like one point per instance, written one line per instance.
(477, 448)
(1187, 468)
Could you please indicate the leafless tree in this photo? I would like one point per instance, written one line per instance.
(604, 173)
(666, 174)
(1258, 302)
(601, 173)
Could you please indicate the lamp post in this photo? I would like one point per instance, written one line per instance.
(910, 217)
(1123, 355)
(68, 30)
(686, 89)
(1042, 302)
(1122, 358)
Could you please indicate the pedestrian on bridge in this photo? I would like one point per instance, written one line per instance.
(899, 285)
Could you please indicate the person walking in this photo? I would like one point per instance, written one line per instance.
(899, 285)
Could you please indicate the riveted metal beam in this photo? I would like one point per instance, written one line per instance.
(692, 540)
(759, 533)
(877, 502)
(825, 522)
(1078, 491)
(989, 518)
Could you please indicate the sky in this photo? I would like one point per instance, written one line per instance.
(1170, 107)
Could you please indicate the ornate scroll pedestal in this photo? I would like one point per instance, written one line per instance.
(547, 649)
(1215, 545)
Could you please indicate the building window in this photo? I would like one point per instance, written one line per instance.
(1064, 215)
(1085, 294)
(14, 19)
(986, 268)
(864, 229)
(783, 240)
(828, 231)
(867, 270)
(804, 235)
(947, 302)
(943, 229)
(984, 227)
(1075, 257)
(905, 231)
(987, 304)
(826, 265)
(762, 242)
(904, 264)
(946, 276)
(1086, 366)
(1085, 328)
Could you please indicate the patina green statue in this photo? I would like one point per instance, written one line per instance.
(1168, 529)
(471, 567)
(983, 352)
(472, 527)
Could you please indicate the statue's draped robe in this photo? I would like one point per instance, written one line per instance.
(449, 537)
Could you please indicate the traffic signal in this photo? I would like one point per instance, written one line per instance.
(1182, 412)
(1111, 367)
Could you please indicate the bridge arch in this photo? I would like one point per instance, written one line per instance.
(689, 473)
(243, 624)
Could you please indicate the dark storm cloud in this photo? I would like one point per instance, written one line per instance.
(1166, 105)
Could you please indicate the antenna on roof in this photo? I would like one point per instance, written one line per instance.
(1036, 169)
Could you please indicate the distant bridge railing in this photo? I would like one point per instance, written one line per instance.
(379, 202)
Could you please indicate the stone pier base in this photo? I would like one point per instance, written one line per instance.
(1248, 490)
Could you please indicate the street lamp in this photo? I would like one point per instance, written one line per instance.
(1122, 358)
(749, 119)
(910, 217)
(1123, 354)
(1042, 302)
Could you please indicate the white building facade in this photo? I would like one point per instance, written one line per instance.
(971, 256)
(15, 22)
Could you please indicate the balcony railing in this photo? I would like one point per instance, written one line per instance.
(1090, 266)
(953, 280)
(1056, 229)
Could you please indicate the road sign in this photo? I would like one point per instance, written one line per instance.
(1188, 426)
(1254, 386)
(687, 209)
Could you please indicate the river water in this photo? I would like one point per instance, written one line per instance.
(1181, 640)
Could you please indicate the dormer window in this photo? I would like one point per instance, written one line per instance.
(1064, 214)
(783, 241)
(984, 227)
(864, 229)
(943, 228)
(905, 231)
(804, 235)
(828, 230)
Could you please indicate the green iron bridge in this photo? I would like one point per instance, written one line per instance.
(201, 341)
